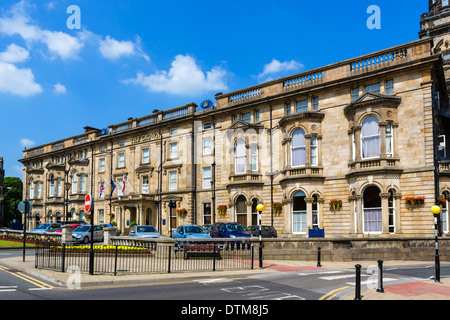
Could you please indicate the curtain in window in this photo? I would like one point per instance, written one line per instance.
(370, 137)
(372, 220)
(74, 182)
(254, 157)
(298, 148)
(241, 157)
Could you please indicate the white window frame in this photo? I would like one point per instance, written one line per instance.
(314, 149)
(368, 137)
(145, 186)
(82, 182)
(145, 155)
(173, 181)
(297, 147)
(173, 150)
(207, 178)
(239, 156)
(59, 187)
(74, 183)
(102, 165)
(207, 142)
(254, 157)
(121, 160)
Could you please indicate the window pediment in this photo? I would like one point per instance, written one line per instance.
(312, 116)
(371, 99)
(239, 124)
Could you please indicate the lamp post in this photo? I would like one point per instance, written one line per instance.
(260, 208)
(436, 210)
(67, 186)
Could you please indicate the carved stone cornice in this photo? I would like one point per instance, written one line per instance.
(302, 116)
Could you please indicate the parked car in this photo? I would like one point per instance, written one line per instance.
(59, 230)
(266, 231)
(229, 230)
(144, 232)
(83, 234)
(47, 227)
(190, 231)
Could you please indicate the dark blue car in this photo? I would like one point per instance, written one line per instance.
(229, 230)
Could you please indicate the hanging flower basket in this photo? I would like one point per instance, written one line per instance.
(335, 204)
(222, 210)
(442, 201)
(413, 201)
(111, 216)
(87, 216)
(182, 212)
(277, 206)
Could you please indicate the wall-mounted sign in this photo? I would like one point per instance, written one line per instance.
(145, 137)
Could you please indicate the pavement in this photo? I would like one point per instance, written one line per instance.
(420, 290)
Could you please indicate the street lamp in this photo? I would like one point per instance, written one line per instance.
(436, 210)
(67, 186)
(260, 208)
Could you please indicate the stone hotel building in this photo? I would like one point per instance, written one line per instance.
(341, 148)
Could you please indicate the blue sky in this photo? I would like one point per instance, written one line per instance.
(132, 56)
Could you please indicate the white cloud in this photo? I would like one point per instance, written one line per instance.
(113, 49)
(184, 77)
(17, 21)
(26, 143)
(277, 67)
(17, 81)
(14, 54)
(59, 88)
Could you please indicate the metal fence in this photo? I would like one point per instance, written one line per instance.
(145, 256)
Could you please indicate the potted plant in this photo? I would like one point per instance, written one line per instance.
(335, 204)
(87, 216)
(442, 201)
(277, 206)
(415, 200)
(222, 210)
(182, 212)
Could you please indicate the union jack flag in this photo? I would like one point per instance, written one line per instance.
(101, 187)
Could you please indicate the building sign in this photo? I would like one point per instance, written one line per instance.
(145, 137)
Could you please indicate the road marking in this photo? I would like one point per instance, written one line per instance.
(27, 278)
(371, 281)
(341, 277)
(330, 295)
(318, 272)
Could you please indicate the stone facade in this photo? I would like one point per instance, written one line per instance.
(360, 131)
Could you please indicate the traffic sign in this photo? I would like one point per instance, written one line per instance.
(21, 207)
(88, 203)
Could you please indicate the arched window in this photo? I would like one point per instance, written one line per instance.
(82, 182)
(299, 212)
(82, 217)
(315, 211)
(241, 210)
(51, 187)
(391, 207)
(372, 212)
(59, 186)
(240, 156)
(298, 148)
(38, 190)
(31, 189)
(445, 212)
(58, 217)
(74, 182)
(255, 212)
(370, 138)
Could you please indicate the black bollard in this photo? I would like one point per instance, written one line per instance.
(380, 276)
(358, 282)
(318, 257)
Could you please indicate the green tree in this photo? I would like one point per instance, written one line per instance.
(12, 191)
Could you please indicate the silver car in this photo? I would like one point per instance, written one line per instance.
(83, 234)
(144, 232)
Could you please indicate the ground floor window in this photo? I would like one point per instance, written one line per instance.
(444, 213)
(241, 210)
(391, 207)
(207, 213)
(299, 213)
(372, 211)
